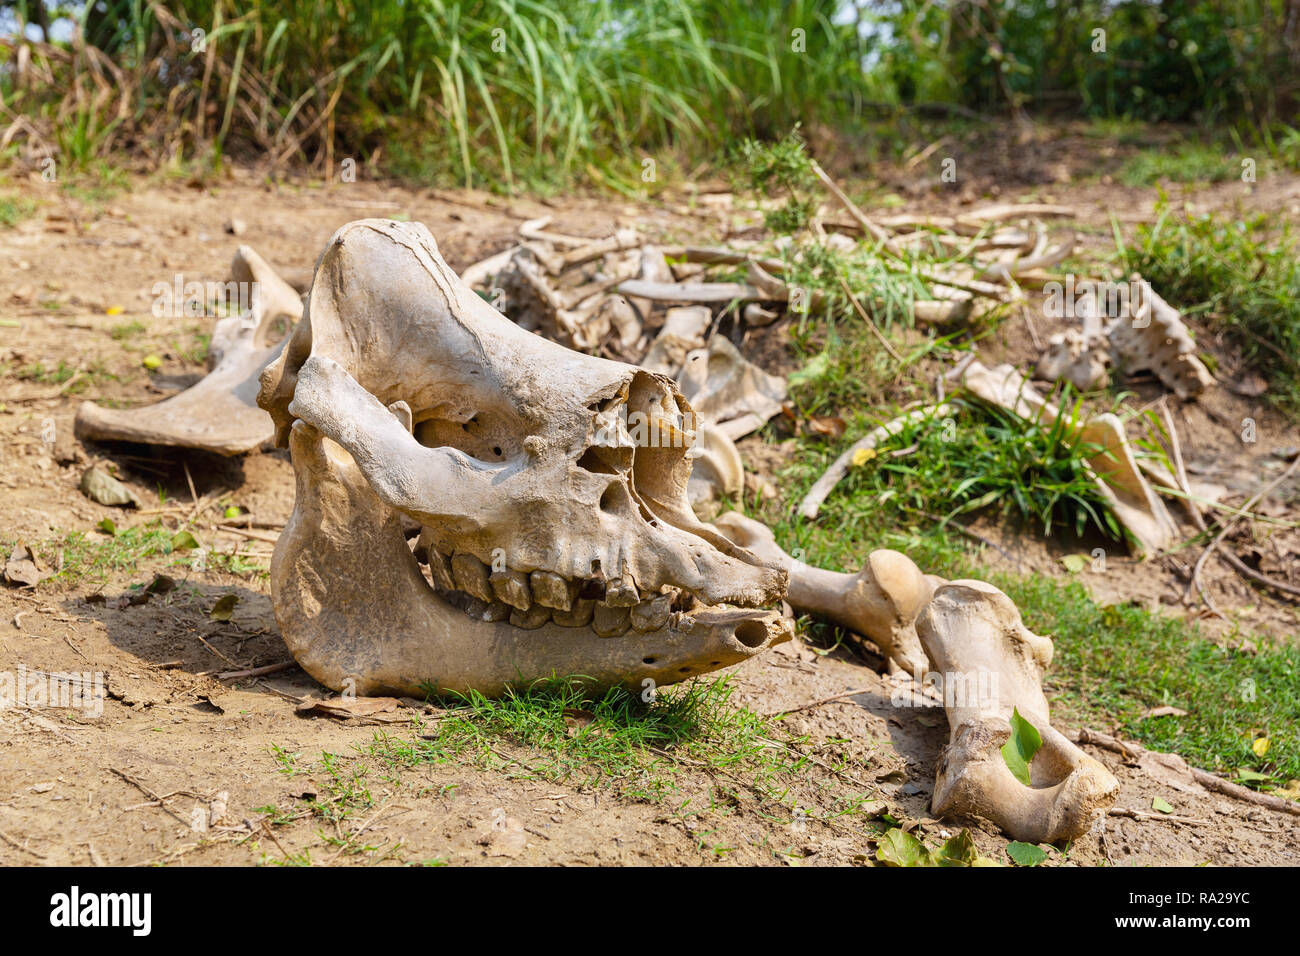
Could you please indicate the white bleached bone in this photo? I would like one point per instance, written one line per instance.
(880, 602)
(990, 665)
(219, 413)
(728, 390)
(550, 487)
(1116, 472)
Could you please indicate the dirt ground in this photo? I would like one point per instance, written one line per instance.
(121, 788)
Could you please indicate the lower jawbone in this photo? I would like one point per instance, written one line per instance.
(542, 552)
(359, 612)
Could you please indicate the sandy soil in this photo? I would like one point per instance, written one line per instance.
(122, 788)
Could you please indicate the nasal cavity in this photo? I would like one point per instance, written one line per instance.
(751, 633)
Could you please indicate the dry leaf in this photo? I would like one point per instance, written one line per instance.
(832, 426)
(21, 568)
(345, 707)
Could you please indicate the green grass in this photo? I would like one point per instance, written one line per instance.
(1241, 276)
(88, 559)
(1114, 662)
(1182, 162)
(14, 209)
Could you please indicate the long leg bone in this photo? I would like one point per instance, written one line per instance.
(880, 602)
(991, 664)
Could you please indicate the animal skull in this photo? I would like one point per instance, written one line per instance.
(549, 487)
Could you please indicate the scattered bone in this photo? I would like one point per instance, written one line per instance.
(757, 317)
(824, 485)
(727, 390)
(716, 471)
(682, 332)
(219, 414)
(706, 292)
(487, 269)
(1145, 334)
(974, 638)
(1114, 468)
(1153, 338)
(880, 602)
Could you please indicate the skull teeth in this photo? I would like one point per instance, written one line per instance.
(512, 588)
(471, 576)
(531, 599)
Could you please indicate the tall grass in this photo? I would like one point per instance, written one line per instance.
(500, 90)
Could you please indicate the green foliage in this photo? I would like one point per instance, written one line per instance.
(1020, 748)
(984, 457)
(1241, 276)
(897, 847)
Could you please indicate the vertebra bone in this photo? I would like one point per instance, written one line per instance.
(880, 602)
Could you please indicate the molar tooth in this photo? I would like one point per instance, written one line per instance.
(439, 566)
(471, 576)
(530, 619)
(578, 616)
(512, 587)
(610, 621)
(621, 593)
(551, 590)
(487, 611)
(652, 614)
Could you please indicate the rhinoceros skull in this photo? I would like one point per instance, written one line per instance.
(548, 487)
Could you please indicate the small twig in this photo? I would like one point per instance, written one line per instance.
(255, 535)
(1223, 533)
(1163, 817)
(870, 324)
(258, 671)
(817, 703)
(1206, 779)
(858, 216)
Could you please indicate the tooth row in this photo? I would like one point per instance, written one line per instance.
(528, 600)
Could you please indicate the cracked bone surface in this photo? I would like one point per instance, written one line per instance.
(880, 602)
(553, 541)
(991, 664)
(219, 413)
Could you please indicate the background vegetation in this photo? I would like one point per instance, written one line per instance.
(499, 91)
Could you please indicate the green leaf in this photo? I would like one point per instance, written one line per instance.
(1020, 749)
(184, 541)
(899, 848)
(1025, 854)
(1162, 805)
(108, 527)
(1074, 563)
(958, 851)
(224, 608)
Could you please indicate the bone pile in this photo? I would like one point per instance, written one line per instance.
(1145, 333)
